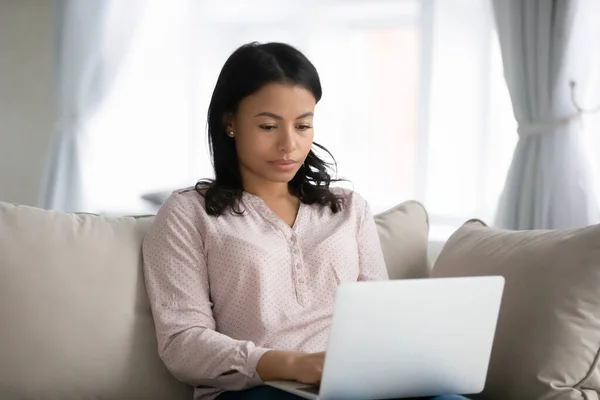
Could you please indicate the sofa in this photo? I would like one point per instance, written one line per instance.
(75, 322)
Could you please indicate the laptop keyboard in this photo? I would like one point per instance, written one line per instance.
(311, 390)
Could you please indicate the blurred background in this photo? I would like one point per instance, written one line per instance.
(103, 103)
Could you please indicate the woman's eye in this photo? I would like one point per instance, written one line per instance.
(267, 127)
(303, 127)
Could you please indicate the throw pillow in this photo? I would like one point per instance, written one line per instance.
(547, 341)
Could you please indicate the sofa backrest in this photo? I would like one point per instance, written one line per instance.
(74, 318)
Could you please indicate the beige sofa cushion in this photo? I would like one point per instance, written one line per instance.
(403, 232)
(74, 319)
(548, 337)
(75, 322)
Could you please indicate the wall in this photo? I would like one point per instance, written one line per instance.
(26, 106)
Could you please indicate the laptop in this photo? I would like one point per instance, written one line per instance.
(408, 338)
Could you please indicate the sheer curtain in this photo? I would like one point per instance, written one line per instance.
(414, 102)
(140, 140)
(92, 37)
(544, 43)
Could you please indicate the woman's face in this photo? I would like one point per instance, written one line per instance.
(273, 132)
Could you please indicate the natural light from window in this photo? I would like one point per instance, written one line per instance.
(414, 106)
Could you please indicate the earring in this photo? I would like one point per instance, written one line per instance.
(230, 134)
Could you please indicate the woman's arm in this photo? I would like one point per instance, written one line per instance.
(178, 290)
(290, 366)
(370, 255)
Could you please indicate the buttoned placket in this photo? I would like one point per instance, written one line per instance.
(298, 270)
(291, 236)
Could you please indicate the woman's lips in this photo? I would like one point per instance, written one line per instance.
(283, 165)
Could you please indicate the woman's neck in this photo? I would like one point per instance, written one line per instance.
(265, 189)
(271, 191)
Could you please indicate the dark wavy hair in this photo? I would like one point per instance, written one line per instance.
(248, 69)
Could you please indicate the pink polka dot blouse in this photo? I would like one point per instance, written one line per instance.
(224, 290)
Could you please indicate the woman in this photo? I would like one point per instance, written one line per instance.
(241, 271)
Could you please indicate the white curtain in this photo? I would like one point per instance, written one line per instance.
(545, 44)
(91, 40)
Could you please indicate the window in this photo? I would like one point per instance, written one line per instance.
(414, 106)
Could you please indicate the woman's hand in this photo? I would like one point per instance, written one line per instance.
(307, 368)
(291, 366)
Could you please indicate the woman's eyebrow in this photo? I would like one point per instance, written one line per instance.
(308, 114)
(278, 117)
(268, 114)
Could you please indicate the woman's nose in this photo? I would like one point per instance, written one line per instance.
(287, 143)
